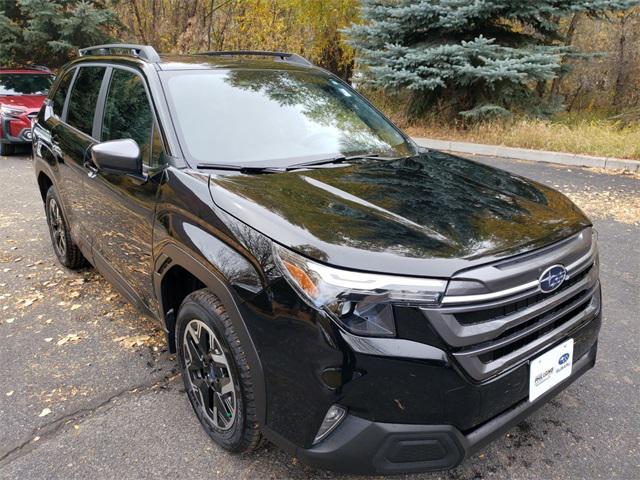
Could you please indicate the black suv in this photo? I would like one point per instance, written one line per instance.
(366, 305)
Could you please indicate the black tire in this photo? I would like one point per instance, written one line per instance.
(65, 249)
(242, 433)
(6, 149)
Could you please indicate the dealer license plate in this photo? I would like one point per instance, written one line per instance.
(549, 369)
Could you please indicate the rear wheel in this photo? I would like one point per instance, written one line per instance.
(6, 149)
(65, 249)
(215, 373)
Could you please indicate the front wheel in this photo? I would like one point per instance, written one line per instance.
(216, 373)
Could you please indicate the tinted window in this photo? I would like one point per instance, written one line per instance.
(25, 83)
(82, 103)
(127, 113)
(244, 116)
(61, 93)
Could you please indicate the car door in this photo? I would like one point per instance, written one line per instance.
(70, 122)
(123, 206)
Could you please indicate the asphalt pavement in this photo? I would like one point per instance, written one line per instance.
(88, 390)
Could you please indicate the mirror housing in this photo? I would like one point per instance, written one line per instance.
(117, 156)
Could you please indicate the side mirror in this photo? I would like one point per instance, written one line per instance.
(117, 156)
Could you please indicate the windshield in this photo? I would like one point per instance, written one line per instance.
(25, 83)
(275, 117)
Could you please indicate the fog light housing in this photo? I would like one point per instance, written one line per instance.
(332, 419)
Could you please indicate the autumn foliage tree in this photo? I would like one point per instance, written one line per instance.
(312, 28)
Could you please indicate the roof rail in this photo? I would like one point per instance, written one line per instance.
(145, 52)
(283, 56)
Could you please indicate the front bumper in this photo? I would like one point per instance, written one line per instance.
(362, 446)
(15, 130)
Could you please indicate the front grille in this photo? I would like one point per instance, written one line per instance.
(488, 337)
(537, 333)
(469, 318)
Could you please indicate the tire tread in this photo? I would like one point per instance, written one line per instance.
(251, 438)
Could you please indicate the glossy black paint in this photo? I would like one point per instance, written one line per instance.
(429, 215)
(433, 214)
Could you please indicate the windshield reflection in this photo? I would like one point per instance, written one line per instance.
(276, 117)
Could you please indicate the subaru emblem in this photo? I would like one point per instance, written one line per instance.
(552, 278)
(563, 359)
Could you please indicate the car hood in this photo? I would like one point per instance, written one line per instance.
(434, 214)
(27, 102)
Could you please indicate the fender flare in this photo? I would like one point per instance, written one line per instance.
(171, 255)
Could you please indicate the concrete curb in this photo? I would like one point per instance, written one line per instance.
(531, 155)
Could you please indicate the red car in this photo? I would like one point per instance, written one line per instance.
(22, 92)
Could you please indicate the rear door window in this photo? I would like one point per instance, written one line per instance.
(84, 95)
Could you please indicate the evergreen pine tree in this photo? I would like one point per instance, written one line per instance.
(48, 32)
(473, 58)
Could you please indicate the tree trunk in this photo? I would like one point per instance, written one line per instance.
(568, 41)
(621, 63)
(141, 28)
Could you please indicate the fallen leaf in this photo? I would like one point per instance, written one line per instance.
(48, 339)
(9, 320)
(8, 394)
(132, 341)
(75, 306)
(27, 302)
(45, 412)
(72, 337)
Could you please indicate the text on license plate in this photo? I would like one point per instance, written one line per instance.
(549, 369)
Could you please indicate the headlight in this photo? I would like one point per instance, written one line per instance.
(4, 110)
(361, 302)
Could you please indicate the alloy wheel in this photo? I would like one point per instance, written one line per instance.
(209, 373)
(57, 228)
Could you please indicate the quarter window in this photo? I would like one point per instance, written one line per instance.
(127, 113)
(82, 103)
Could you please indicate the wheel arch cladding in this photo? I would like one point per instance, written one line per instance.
(44, 183)
(177, 274)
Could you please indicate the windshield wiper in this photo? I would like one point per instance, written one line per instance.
(333, 160)
(239, 168)
(323, 161)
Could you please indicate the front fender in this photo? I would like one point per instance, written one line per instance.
(171, 255)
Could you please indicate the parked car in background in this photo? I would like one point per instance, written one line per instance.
(368, 306)
(22, 92)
